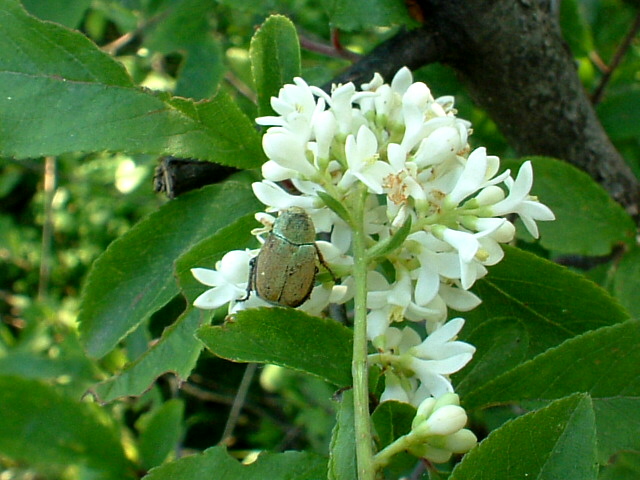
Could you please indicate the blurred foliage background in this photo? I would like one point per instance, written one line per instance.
(58, 214)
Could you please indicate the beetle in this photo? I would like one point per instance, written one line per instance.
(284, 271)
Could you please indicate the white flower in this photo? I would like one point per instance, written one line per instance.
(229, 280)
(363, 161)
(431, 361)
(519, 201)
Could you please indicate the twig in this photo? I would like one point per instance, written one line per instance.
(615, 61)
(238, 402)
(47, 227)
(334, 50)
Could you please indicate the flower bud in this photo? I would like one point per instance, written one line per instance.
(460, 442)
(446, 420)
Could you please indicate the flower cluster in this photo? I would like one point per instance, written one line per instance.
(436, 432)
(400, 157)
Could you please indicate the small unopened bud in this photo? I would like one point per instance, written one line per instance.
(425, 409)
(489, 195)
(461, 441)
(446, 420)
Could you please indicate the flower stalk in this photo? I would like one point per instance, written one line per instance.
(359, 367)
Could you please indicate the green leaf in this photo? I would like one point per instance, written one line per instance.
(529, 305)
(285, 337)
(206, 253)
(389, 244)
(575, 28)
(185, 28)
(177, 351)
(555, 442)
(588, 221)
(350, 15)
(66, 12)
(619, 113)
(626, 283)
(604, 362)
(342, 459)
(281, 466)
(162, 432)
(625, 466)
(275, 59)
(75, 98)
(391, 420)
(134, 277)
(337, 207)
(50, 431)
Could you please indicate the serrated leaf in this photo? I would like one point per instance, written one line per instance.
(350, 15)
(604, 363)
(285, 337)
(626, 283)
(66, 12)
(530, 304)
(280, 466)
(275, 59)
(558, 441)
(50, 431)
(75, 98)
(176, 351)
(134, 276)
(588, 221)
(162, 432)
(342, 459)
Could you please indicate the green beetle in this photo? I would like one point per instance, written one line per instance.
(284, 271)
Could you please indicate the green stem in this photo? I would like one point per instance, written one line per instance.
(383, 457)
(359, 370)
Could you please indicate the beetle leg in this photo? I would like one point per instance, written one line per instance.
(251, 284)
(324, 264)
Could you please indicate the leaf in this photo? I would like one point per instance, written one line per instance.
(626, 283)
(342, 459)
(75, 98)
(134, 277)
(625, 466)
(177, 351)
(185, 28)
(588, 221)
(206, 253)
(392, 419)
(281, 466)
(619, 113)
(66, 12)
(350, 15)
(162, 433)
(275, 59)
(555, 442)
(337, 207)
(604, 363)
(389, 244)
(51, 431)
(529, 305)
(285, 337)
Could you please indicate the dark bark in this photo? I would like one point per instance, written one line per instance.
(511, 56)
